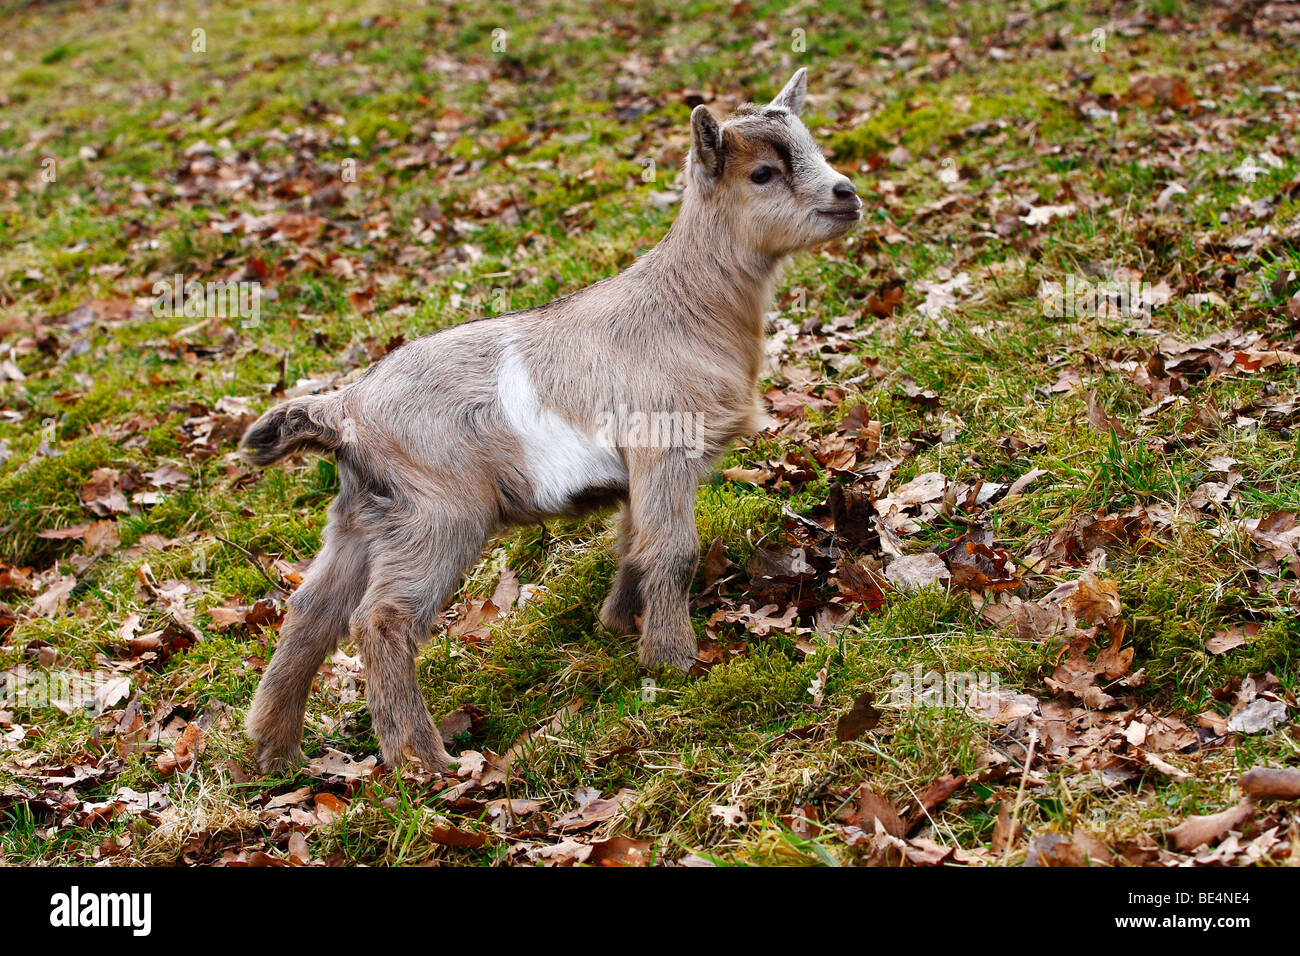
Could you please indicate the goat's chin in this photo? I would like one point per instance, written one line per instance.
(827, 229)
(810, 233)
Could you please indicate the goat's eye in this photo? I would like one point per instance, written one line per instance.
(761, 175)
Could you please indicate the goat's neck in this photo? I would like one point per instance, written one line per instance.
(716, 284)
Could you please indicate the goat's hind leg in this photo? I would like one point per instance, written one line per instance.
(318, 616)
(416, 568)
(618, 613)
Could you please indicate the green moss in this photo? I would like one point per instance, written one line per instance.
(45, 493)
(746, 692)
(923, 122)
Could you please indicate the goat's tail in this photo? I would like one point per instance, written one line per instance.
(311, 422)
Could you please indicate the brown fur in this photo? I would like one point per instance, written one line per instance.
(491, 423)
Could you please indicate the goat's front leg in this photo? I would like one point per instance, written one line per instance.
(663, 554)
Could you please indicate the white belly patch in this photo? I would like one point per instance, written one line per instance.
(560, 460)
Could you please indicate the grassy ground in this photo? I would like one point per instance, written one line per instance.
(384, 172)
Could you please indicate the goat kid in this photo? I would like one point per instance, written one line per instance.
(517, 417)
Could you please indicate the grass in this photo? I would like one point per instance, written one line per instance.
(533, 187)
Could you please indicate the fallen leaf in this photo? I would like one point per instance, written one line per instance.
(182, 756)
(49, 603)
(1195, 831)
(1282, 782)
(297, 849)
(594, 811)
(933, 796)
(916, 571)
(620, 851)
(1233, 637)
(875, 814)
(860, 718)
(103, 495)
(1259, 716)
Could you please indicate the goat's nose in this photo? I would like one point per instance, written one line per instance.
(844, 190)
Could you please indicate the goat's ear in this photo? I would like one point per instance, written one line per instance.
(791, 98)
(706, 142)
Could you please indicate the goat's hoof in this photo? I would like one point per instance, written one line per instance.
(426, 746)
(679, 654)
(276, 758)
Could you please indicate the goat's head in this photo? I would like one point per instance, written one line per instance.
(762, 172)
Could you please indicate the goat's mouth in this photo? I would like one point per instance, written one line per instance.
(848, 214)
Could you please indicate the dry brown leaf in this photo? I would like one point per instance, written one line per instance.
(182, 756)
(103, 495)
(1282, 782)
(1005, 831)
(875, 814)
(862, 716)
(620, 851)
(594, 811)
(1195, 831)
